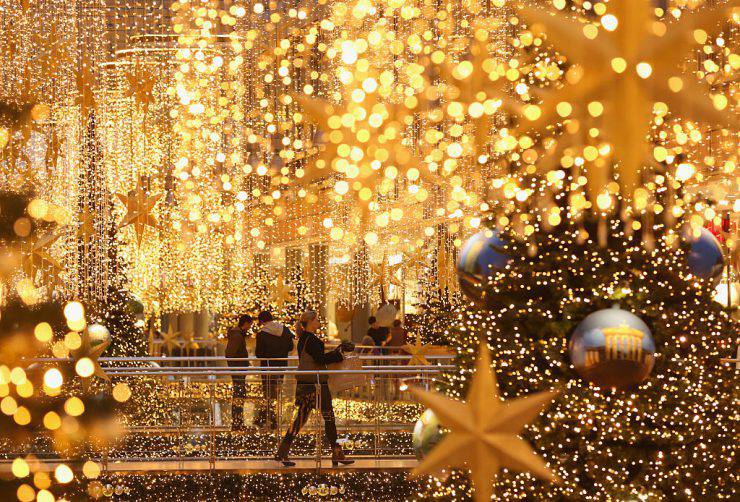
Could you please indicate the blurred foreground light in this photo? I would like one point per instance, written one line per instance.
(85, 367)
(53, 378)
(63, 473)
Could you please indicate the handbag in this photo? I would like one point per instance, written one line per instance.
(343, 381)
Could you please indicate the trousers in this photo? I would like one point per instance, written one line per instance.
(305, 400)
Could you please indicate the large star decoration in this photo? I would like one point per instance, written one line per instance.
(361, 149)
(484, 431)
(87, 350)
(139, 205)
(170, 339)
(383, 275)
(141, 87)
(38, 257)
(86, 228)
(627, 67)
(482, 93)
(419, 352)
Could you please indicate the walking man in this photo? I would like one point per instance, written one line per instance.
(274, 343)
(236, 348)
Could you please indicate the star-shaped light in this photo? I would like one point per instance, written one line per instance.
(141, 87)
(170, 339)
(419, 352)
(37, 257)
(139, 205)
(619, 76)
(362, 143)
(383, 275)
(484, 431)
(482, 93)
(86, 228)
(87, 350)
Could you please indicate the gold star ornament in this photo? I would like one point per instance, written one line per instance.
(484, 431)
(86, 356)
(419, 352)
(619, 72)
(139, 205)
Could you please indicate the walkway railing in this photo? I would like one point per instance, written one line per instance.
(187, 412)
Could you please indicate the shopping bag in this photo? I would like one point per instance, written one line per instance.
(343, 381)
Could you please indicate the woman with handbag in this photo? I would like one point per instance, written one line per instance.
(312, 356)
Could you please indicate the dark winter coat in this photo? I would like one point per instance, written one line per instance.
(312, 356)
(273, 341)
(236, 346)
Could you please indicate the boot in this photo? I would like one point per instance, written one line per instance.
(337, 456)
(282, 453)
(237, 418)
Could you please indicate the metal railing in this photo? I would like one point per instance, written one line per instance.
(184, 412)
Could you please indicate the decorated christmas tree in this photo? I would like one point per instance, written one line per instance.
(632, 339)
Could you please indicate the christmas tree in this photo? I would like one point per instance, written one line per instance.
(671, 436)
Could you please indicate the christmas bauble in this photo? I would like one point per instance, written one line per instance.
(386, 314)
(426, 433)
(135, 306)
(98, 334)
(705, 257)
(480, 258)
(612, 348)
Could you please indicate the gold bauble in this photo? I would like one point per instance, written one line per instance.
(40, 112)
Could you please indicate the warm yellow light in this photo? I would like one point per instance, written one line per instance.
(20, 468)
(85, 367)
(52, 421)
(121, 392)
(604, 201)
(53, 378)
(74, 311)
(43, 332)
(619, 64)
(63, 473)
(644, 70)
(74, 406)
(609, 22)
(91, 469)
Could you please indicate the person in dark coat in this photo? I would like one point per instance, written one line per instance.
(274, 343)
(380, 334)
(312, 355)
(236, 348)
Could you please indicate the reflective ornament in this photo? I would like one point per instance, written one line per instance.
(612, 348)
(323, 490)
(705, 257)
(135, 306)
(98, 334)
(426, 433)
(481, 257)
(386, 314)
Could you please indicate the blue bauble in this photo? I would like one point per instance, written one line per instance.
(705, 257)
(612, 348)
(480, 258)
(426, 433)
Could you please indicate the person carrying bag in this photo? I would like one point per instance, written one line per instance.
(312, 357)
